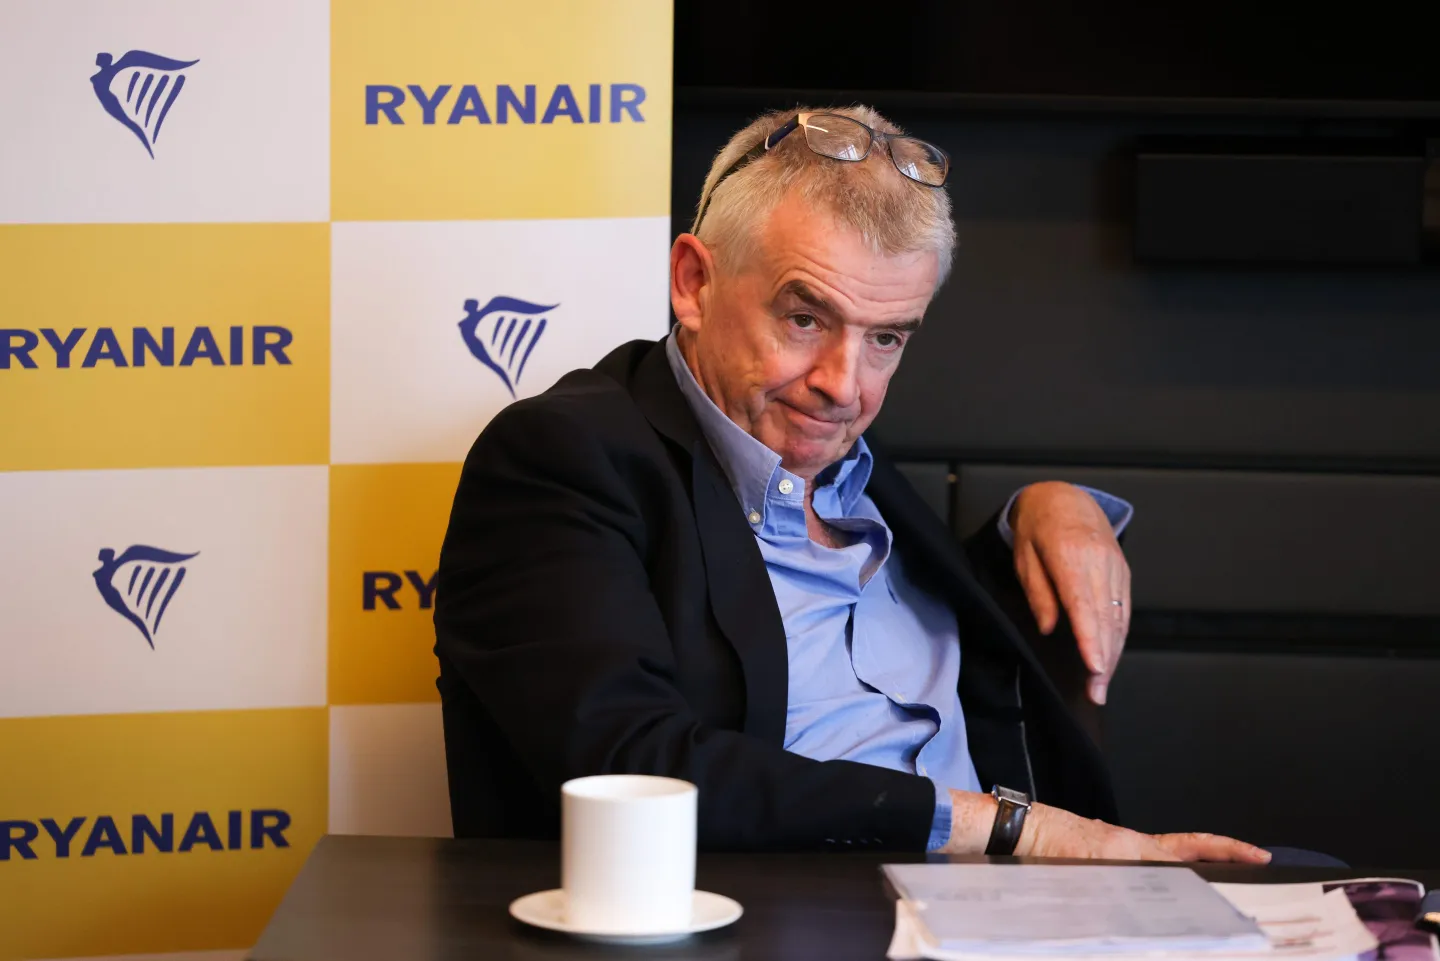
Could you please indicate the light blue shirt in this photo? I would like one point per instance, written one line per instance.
(874, 661)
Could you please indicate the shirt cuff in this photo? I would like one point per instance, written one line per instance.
(1117, 510)
(940, 826)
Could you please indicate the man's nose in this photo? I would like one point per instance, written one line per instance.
(837, 372)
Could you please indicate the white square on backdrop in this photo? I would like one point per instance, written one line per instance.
(409, 384)
(387, 771)
(145, 135)
(163, 590)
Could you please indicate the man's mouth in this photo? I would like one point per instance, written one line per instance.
(820, 420)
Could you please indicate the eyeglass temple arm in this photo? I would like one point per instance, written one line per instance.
(781, 132)
(745, 159)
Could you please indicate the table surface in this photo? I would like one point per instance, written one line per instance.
(427, 899)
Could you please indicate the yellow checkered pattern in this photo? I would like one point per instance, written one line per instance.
(195, 358)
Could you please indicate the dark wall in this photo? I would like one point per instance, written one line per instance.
(1277, 429)
(1181, 48)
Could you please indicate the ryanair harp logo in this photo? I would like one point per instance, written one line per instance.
(502, 334)
(140, 584)
(138, 90)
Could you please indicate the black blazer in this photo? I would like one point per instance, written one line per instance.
(602, 607)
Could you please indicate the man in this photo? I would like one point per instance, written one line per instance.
(689, 562)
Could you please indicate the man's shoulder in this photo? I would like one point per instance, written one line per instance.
(595, 402)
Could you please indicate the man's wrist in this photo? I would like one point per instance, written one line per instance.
(1033, 829)
(1014, 807)
(972, 818)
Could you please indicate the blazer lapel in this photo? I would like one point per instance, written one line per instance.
(741, 596)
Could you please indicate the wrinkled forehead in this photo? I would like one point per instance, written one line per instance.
(805, 241)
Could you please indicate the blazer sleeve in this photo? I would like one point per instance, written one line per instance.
(545, 609)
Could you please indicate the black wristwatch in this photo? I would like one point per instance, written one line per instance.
(1009, 820)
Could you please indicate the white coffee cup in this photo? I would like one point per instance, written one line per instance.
(628, 853)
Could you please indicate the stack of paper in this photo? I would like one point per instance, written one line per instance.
(955, 912)
(1004, 911)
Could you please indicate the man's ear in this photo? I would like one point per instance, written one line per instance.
(692, 274)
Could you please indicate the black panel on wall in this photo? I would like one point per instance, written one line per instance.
(1182, 48)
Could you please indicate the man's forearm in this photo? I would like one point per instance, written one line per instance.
(1051, 832)
(972, 816)
(972, 820)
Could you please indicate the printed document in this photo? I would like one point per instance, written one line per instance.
(999, 910)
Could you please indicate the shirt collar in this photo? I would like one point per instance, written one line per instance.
(754, 469)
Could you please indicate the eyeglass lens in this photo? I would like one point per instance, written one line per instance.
(841, 138)
(918, 160)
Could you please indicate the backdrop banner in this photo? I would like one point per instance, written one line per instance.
(268, 269)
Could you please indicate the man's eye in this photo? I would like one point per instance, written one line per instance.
(804, 321)
(888, 340)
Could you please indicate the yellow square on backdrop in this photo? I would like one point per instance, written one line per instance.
(164, 345)
(495, 111)
(138, 833)
(387, 522)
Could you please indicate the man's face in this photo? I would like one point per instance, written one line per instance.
(798, 345)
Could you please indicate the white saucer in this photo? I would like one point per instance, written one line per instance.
(546, 909)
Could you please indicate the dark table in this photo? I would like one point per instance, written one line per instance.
(425, 899)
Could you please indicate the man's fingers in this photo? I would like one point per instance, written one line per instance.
(1037, 587)
(1125, 611)
(1074, 582)
(1117, 616)
(1212, 847)
(1067, 559)
(1117, 623)
(1102, 590)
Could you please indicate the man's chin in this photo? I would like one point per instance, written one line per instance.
(806, 445)
(807, 458)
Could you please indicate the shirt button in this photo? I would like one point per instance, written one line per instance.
(754, 517)
(786, 485)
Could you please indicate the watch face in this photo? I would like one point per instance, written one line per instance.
(1014, 797)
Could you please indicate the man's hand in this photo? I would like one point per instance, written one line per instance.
(1066, 553)
(1053, 833)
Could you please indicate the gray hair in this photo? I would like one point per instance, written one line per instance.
(893, 214)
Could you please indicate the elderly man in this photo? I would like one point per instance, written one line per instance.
(688, 561)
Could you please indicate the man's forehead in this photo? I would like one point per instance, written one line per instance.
(797, 233)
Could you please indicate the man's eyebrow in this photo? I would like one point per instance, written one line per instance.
(801, 291)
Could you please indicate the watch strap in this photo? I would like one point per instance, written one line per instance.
(1010, 817)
